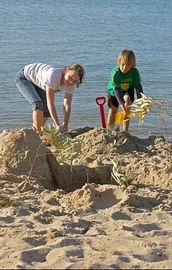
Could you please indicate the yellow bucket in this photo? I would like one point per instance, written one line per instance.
(119, 118)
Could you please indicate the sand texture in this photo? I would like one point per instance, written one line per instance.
(60, 207)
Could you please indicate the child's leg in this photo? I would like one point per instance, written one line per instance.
(113, 108)
(111, 117)
(126, 122)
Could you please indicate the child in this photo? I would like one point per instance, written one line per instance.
(38, 83)
(124, 79)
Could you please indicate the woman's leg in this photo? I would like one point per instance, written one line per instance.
(42, 94)
(37, 118)
(28, 90)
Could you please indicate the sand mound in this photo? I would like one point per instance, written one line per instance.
(23, 153)
(143, 161)
(58, 215)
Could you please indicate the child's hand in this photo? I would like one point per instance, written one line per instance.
(126, 118)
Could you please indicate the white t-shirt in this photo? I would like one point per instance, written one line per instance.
(44, 75)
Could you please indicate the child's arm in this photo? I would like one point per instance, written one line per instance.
(139, 90)
(120, 99)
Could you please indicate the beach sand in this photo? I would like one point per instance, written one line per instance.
(60, 208)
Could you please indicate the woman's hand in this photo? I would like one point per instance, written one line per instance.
(61, 129)
(57, 128)
(50, 95)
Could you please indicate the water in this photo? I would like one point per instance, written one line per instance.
(90, 32)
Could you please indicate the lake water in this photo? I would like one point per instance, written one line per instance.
(90, 32)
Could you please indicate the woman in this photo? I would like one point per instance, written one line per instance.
(38, 83)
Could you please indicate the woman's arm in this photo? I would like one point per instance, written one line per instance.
(50, 94)
(67, 110)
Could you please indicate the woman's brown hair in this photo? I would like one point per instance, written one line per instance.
(80, 70)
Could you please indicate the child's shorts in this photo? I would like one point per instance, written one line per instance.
(112, 100)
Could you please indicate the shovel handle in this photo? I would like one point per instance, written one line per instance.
(100, 101)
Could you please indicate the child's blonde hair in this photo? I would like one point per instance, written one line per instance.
(127, 56)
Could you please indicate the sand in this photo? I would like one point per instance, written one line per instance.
(58, 212)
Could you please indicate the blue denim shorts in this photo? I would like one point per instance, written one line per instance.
(32, 93)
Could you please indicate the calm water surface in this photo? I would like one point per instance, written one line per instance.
(91, 32)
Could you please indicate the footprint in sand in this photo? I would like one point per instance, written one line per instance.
(35, 241)
(156, 255)
(118, 215)
(34, 255)
(7, 219)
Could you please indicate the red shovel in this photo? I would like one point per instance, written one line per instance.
(101, 101)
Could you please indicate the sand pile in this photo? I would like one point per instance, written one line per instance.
(144, 161)
(58, 215)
